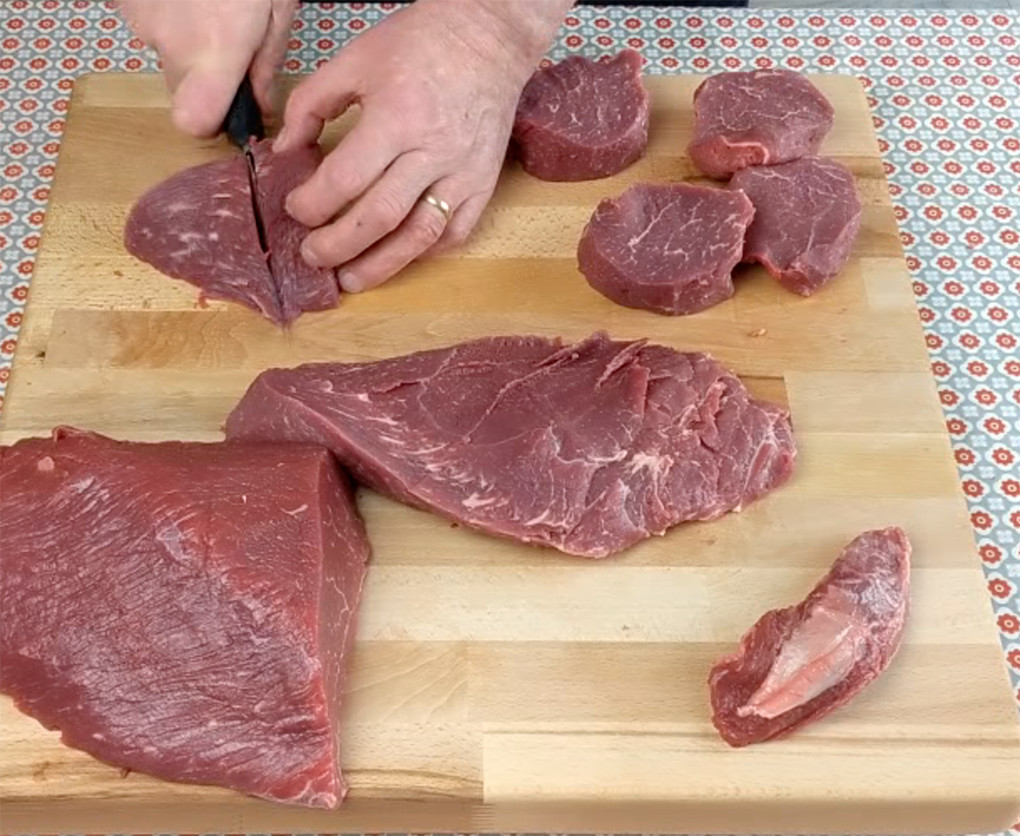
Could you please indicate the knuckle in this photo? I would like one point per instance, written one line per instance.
(458, 235)
(296, 104)
(344, 181)
(387, 212)
(425, 229)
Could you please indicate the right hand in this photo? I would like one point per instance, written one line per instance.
(207, 46)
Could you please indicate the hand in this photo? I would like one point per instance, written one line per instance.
(438, 85)
(207, 46)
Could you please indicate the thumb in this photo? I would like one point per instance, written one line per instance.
(203, 95)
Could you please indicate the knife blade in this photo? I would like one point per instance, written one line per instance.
(242, 124)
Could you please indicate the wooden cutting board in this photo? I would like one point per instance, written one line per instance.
(498, 687)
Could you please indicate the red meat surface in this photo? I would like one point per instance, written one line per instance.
(806, 217)
(582, 119)
(668, 248)
(588, 447)
(761, 117)
(183, 609)
(798, 664)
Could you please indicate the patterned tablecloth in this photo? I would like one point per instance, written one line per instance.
(944, 89)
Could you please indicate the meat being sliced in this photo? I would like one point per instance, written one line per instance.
(582, 119)
(301, 287)
(182, 609)
(199, 225)
(797, 664)
(668, 248)
(588, 448)
(761, 117)
(806, 218)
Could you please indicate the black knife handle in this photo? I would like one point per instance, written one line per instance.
(244, 119)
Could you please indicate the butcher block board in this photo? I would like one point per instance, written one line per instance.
(498, 687)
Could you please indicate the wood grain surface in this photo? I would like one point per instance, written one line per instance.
(498, 687)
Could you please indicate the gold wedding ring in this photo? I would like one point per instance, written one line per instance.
(439, 204)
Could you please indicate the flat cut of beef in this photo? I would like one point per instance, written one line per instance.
(582, 119)
(300, 286)
(797, 664)
(761, 117)
(668, 248)
(806, 218)
(588, 448)
(199, 225)
(183, 609)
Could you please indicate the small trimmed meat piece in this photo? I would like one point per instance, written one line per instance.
(582, 119)
(806, 218)
(798, 664)
(762, 117)
(668, 248)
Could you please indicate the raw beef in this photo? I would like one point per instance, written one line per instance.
(199, 225)
(668, 248)
(300, 287)
(762, 117)
(797, 664)
(582, 119)
(806, 218)
(183, 609)
(588, 447)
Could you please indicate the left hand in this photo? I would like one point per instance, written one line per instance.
(438, 85)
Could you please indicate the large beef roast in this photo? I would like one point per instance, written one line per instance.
(183, 609)
(589, 447)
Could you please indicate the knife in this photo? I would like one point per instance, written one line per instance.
(243, 123)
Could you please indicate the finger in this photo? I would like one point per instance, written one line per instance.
(271, 54)
(463, 222)
(348, 170)
(419, 232)
(378, 212)
(203, 95)
(323, 96)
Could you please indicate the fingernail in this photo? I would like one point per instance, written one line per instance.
(310, 256)
(349, 282)
(288, 205)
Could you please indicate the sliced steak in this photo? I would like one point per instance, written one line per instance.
(582, 119)
(183, 610)
(762, 117)
(588, 448)
(797, 664)
(806, 218)
(199, 225)
(668, 248)
(301, 287)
